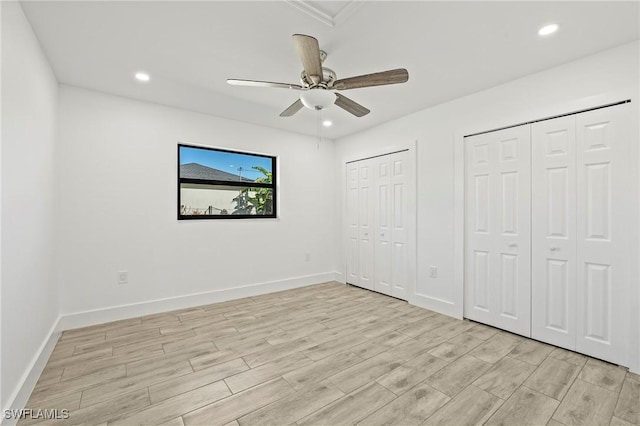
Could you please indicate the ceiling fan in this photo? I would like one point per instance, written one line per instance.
(318, 83)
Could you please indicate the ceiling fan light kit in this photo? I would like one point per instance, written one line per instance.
(318, 99)
(318, 83)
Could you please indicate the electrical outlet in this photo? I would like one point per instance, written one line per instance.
(433, 272)
(123, 277)
(307, 257)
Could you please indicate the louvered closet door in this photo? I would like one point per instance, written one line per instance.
(498, 226)
(553, 232)
(603, 224)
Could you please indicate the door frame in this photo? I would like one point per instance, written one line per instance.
(514, 117)
(410, 148)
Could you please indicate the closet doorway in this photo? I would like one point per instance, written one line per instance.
(380, 200)
(547, 241)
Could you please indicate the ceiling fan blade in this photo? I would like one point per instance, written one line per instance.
(396, 76)
(295, 107)
(351, 106)
(255, 83)
(309, 51)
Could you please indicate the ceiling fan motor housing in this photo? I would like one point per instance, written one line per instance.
(328, 77)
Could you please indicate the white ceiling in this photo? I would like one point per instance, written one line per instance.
(451, 49)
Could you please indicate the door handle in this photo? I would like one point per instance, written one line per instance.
(513, 245)
(554, 248)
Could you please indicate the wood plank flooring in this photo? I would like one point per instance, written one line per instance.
(327, 354)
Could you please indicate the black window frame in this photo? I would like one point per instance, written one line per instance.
(272, 186)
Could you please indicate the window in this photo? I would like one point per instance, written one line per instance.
(221, 184)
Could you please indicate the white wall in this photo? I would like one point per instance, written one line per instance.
(1, 393)
(591, 81)
(28, 294)
(117, 210)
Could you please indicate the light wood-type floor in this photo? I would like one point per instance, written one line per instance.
(328, 354)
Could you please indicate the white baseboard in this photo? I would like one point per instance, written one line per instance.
(20, 396)
(440, 306)
(115, 313)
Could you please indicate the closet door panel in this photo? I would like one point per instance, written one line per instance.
(353, 228)
(479, 274)
(399, 216)
(366, 227)
(498, 226)
(512, 237)
(383, 219)
(603, 149)
(553, 232)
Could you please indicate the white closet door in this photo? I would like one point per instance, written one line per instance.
(365, 222)
(377, 224)
(382, 219)
(512, 285)
(497, 270)
(553, 232)
(479, 229)
(603, 164)
(398, 207)
(353, 227)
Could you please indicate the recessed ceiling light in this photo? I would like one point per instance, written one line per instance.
(327, 123)
(548, 29)
(142, 76)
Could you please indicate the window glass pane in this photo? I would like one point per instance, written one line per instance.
(207, 164)
(200, 199)
(215, 183)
